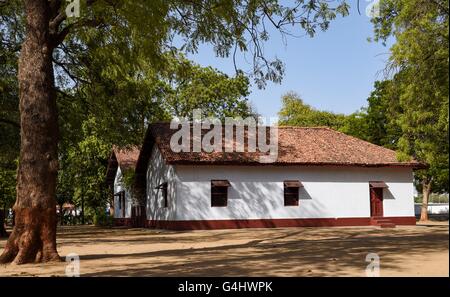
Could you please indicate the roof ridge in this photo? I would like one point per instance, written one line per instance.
(278, 126)
(305, 127)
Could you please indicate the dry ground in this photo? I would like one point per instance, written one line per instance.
(421, 250)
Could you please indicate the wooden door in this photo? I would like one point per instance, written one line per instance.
(376, 202)
(138, 216)
(122, 203)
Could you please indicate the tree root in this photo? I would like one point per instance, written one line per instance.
(33, 239)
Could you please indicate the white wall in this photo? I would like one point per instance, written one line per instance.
(157, 173)
(119, 186)
(256, 192)
(433, 208)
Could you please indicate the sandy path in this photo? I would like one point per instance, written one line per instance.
(404, 251)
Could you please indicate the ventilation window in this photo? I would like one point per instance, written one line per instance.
(164, 193)
(291, 192)
(219, 193)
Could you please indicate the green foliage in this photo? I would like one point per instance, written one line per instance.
(296, 113)
(379, 115)
(7, 187)
(101, 218)
(127, 35)
(420, 59)
(193, 87)
(128, 178)
(83, 168)
(373, 123)
(10, 37)
(355, 124)
(434, 198)
(376, 122)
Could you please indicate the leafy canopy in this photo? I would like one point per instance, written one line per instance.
(419, 58)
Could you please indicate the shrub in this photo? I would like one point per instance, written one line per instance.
(101, 218)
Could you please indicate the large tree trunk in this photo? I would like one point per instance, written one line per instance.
(34, 236)
(426, 191)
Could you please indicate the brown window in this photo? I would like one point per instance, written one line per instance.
(163, 188)
(121, 195)
(164, 194)
(119, 201)
(291, 192)
(219, 193)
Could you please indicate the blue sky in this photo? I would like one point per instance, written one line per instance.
(333, 71)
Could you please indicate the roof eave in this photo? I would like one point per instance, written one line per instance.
(309, 164)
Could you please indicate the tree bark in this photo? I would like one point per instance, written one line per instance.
(33, 238)
(426, 191)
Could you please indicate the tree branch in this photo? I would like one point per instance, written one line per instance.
(59, 38)
(56, 22)
(55, 6)
(59, 16)
(74, 78)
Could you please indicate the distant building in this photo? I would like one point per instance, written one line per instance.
(119, 162)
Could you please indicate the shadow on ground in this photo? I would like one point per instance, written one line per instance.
(248, 252)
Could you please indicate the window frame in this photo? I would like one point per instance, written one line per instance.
(122, 202)
(219, 193)
(165, 194)
(164, 188)
(291, 193)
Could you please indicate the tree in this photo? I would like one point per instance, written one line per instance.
(420, 60)
(192, 87)
(376, 122)
(382, 109)
(295, 112)
(134, 29)
(364, 124)
(83, 168)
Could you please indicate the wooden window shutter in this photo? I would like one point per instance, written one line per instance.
(291, 192)
(219, 193)
(122, 196)
(164, 191)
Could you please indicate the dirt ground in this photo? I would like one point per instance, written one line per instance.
(421, 250)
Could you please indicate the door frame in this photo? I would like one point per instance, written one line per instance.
(376, 196)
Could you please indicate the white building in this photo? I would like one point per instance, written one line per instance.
(321, 178)
(121, 203)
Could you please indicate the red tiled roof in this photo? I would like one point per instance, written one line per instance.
(123, 158)
(296, 146)
(127, 158)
